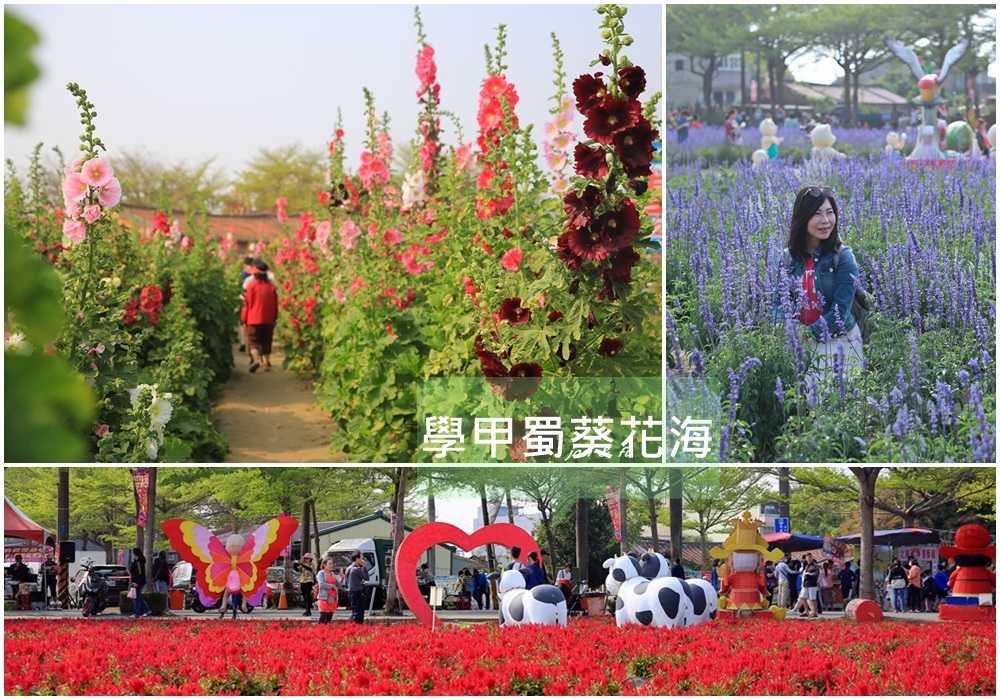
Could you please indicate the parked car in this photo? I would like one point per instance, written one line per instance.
(275, 578)
(116, 576)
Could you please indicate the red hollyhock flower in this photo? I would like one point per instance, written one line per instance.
(589, 90)
(555, 316)
(591, 163)
(610, 116)
(632, 81)
(524, 380)
(609, 347)
(572, 260)
(490, 363)
(512, 312)
(621, 264)
(588, 242)
(619, 226)
(160, 223)
(634, 146)
(580, 209)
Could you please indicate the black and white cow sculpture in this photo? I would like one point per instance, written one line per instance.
(663, 601)
(542, 605)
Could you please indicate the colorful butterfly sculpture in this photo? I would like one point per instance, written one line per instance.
(236, 567)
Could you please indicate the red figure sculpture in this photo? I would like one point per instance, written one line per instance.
(972, 584)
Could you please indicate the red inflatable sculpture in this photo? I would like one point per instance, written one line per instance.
(972, 584)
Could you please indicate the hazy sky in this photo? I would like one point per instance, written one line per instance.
(187, 82)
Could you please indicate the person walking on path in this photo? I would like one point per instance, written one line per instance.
(810, 586)
(784, 574)
(50, 573)
(260, 312)
(307, 578)
(914, 576)
(677, 570)
(161, 573)
(137, 572)
(326, 598)
(827, 582)
(846, 581)
(897, 583)
(357, 582)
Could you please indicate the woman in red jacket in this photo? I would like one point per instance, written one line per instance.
(260, 311)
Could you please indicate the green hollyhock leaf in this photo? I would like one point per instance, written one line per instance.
(32, 291)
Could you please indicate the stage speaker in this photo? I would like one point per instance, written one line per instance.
(67, 552)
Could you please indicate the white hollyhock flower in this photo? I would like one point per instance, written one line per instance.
(17, 345)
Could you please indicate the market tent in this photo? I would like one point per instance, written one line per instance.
(789, 543)
(17, 524)
(903, 537)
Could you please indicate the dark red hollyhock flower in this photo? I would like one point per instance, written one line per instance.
(632, 81)
(566, 353)
(609, 347)
(572, 260)
(588, 243)
(634, 146)
(490, 362)
(605, 61)
(589, 90)
(639, 186)
(591, 320)
(524, 380)
(590, 162)
(512, 312)
(610, 116)
(580, 208)
(621, 263)
(555, 316)
(619, 226)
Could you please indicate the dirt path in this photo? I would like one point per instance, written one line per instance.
(271, 416)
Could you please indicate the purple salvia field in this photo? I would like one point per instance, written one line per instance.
(925, 243)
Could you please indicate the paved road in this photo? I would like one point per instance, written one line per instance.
(342, 615)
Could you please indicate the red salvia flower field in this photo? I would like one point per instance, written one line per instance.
(591, 656)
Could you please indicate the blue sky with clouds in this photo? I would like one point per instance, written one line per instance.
(188, 82)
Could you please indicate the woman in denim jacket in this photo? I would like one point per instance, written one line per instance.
(821, 295)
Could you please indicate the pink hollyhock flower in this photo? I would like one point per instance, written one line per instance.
(560, 186)
(101, 430)
(281, 202)
(323, 229)
(76, 231)
(556, 161)
(185, 243)
(511, 260)
(260, 245)
(338, 293)
(75, 165)
(541, 301)
(74, 188)
(91, 213)
(426, 68)
(97, 172)
(349, 232)
(110, 194)
(72, 210)
(392, 237)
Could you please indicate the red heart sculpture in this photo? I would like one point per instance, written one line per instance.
(426, 536)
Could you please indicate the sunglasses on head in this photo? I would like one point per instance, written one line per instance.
(816, 191)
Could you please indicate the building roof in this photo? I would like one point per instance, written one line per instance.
(867, 95)
(246, 228)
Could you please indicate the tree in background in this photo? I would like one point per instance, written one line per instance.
(147, 179)
(715, 495)
(292, 172)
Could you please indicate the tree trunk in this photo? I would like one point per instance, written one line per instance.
(676, 511)
(622, 508)
(772, 82)
(305, 525)
(316, 531)
(743, 76)
(848, 113)
(653, 525)
(780, 70)
(147, 548)
(866, 477)
(432, 517)
(510, 507)
(784, 491)
(582, 539)
(704, 546)
(140, 535)
(392, 605)
(550, 541)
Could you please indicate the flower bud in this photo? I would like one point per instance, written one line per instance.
(606, 34)
(627, 40)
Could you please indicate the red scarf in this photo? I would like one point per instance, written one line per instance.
(810, 310)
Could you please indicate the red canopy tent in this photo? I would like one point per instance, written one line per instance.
(17, 524)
